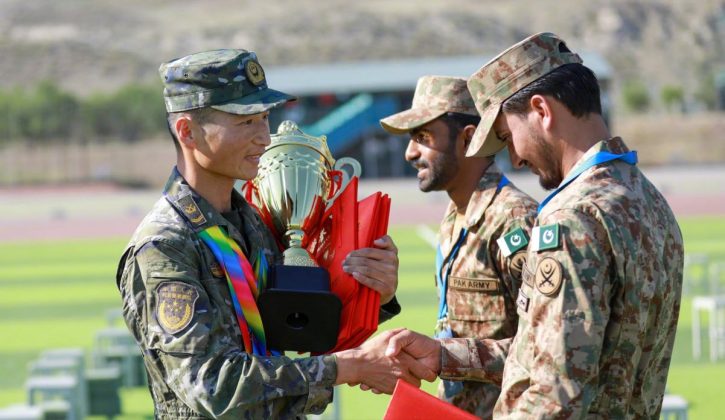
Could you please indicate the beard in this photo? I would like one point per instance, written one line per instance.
(441, 170)
(547, 163)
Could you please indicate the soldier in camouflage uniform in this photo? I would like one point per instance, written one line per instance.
(176, 300)
(483, 234)
(602, 284)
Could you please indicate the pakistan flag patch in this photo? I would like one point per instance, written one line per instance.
(512, 241)
(545, 237)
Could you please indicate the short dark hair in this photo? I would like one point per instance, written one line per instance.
(574, 85)
(201, 115)
(456, 121)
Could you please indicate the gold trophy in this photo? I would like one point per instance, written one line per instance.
(294, 186)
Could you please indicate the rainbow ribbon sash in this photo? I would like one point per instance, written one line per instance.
(244, 285)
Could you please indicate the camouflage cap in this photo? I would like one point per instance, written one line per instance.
(434, 96)
(505, 75)
(229, 80)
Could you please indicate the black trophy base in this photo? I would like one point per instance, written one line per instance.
(298, 310)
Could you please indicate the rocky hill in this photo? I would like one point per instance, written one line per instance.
(95, 45)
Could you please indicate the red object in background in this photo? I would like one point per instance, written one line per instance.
(411, 403)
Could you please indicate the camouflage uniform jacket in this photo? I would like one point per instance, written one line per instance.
(483, 283)
(200, 370)
(598, 309)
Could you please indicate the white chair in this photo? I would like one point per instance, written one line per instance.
(715, 306)
(674, 407)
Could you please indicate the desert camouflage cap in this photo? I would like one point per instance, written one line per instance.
(230, 80)
(434, 96)
(505, 75)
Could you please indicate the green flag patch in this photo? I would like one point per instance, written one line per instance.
(545, 237)
(512, 241)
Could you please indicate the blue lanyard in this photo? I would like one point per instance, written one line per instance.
(443, 283)
(599, 158)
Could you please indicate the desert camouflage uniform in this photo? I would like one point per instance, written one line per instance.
(200, 369)
(483, 282)
(600, 301)
(597, 343)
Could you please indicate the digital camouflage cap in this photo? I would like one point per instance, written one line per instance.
(229, 80)
(434, 96)
(505, 75)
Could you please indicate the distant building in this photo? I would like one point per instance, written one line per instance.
(345, 101)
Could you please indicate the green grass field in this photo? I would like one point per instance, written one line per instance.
(56, 294)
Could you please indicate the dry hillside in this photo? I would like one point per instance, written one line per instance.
(98, 45)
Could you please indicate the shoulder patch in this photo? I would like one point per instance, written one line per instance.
(175, 305)
(512, 241)
(548, 276)
(545, 237)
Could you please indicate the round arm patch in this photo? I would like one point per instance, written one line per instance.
(548, 276)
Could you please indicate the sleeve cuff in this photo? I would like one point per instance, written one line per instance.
(459, 357)
(321, 374)
(389, 310)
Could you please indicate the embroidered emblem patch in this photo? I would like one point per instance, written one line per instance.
(512, 241)
(191, 210)
(545, 237)
(516, 264)
(175, 305)
(254, 71)
(548, 276)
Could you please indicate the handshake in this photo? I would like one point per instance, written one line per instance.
(395, 354)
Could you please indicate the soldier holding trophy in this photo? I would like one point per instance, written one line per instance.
(194, 267)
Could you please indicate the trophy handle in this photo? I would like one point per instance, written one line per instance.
(354, 170)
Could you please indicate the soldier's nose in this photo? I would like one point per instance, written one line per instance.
(411, 152)
(516, 161)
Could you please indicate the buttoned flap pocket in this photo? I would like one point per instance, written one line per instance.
(475, 299)
(178, 315)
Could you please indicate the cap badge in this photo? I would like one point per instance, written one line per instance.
(255, 74)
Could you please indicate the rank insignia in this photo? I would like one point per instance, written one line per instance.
(548, 276)
(254, 71)
(191, 210)
(545, 237)
(512, 241)
(175, 305)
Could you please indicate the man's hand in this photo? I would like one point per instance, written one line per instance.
(425, 350)
(369, 365)
(376, 267)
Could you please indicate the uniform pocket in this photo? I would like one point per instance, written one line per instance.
(475, 299)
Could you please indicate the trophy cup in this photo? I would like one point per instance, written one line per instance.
(295, 185)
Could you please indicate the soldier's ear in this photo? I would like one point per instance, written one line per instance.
(184, 131)
(468, 135)
(541, 110)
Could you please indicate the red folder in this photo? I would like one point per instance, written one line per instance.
(409, 403)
